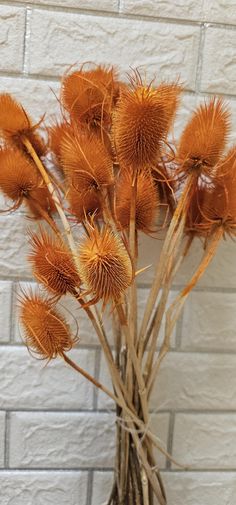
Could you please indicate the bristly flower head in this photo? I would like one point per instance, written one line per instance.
(56, 133)
(204, 138)
(147, 200)
(86, 161)
(215, 206)
(84, 204)
(15, 124)
(18, 175)
(105, 266)
(142, 119)
(53, 264)
(88, 96)
(20, 181)
(46, 331)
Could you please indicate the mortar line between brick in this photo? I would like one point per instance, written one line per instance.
(200, 57)
(89, 488)
(173, 350)
(96, 375)
(27, 470)
(12, 318)
(26, 39)
(116, 13)
(7, 440)
(170, 438)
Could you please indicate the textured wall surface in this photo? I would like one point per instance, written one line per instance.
(56, 431)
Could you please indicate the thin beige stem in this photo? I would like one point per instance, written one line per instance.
(173, 235)
(54, 196)
(174, 310)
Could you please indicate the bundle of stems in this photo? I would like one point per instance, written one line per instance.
(108, 169)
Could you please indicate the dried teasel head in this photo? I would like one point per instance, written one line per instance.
(141, 122)
(46, 331)
(20, 181)
(204, 138)
(84, 204)
(53, 264)
(15, 124)
(56, 134)
(147, 200)
(215, 206)
(88, 96)
(105, 266)
(220, 207)
(18, 176)
(86, 161)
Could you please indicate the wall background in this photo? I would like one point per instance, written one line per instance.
(56, 440)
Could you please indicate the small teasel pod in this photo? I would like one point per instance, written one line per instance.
(88, 96)
(53, 264)
(204, 138)
(141, 122)
(45, 329)
(86, 161)
(15, 125)
(83, 204)
(56, 133)
(147, 200)
(104, 264)
(20, 182)
(18, 176)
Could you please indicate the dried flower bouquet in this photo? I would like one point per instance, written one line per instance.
(109, 169)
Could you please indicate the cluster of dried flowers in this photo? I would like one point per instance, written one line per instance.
(109, 169)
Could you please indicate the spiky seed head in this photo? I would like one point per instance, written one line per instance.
(147, 200)
(16, 124)
(20, 181)
(204, 138)
(105, 266)
(56, 133)
(88, 96)
(83, 204)
(86, 161)
(46, 331)
(141, 122)
(53, 264)
(18, 176)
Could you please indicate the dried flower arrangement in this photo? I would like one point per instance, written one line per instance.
(109, 169)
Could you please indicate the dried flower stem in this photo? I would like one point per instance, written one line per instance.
(178, 303)
(173, 236)
(53, 194)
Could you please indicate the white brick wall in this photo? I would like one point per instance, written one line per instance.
(56, 431)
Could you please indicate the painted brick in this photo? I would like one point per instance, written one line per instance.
(51, 488)
(200, 487)
(61, 440)
(36, 96)
(102, 485)
(163, 8)
(14, 246)
(205, 440)
(5, 313)
(58, 41)
(219, 74)
(104, 5)
(72, 440)
(209, 321)
(28, 383)
(220, 11)
(221, 272)
(194, 487)
(189, 381)
(2, 438)
(12, 21)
